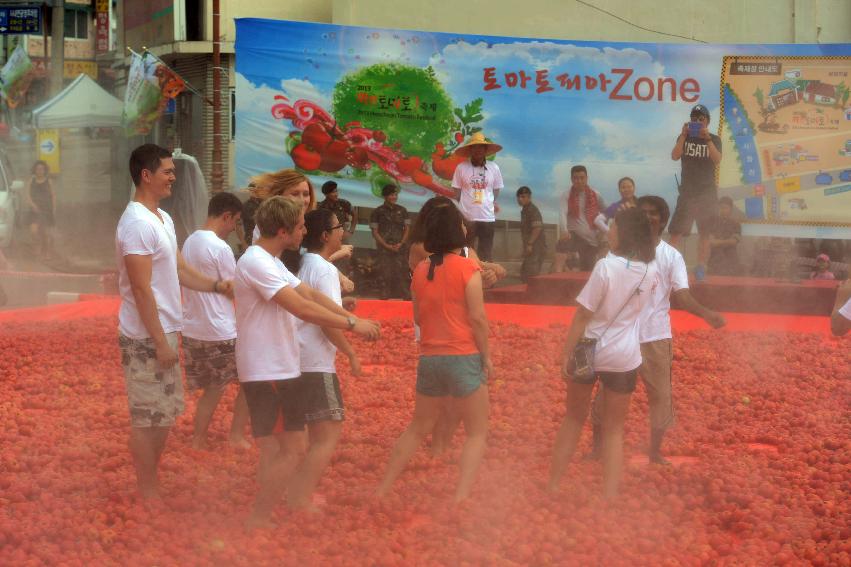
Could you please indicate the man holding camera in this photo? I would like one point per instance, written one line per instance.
(700, 153)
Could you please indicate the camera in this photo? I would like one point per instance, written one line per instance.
(694, 129)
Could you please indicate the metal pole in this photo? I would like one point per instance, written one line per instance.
(217, 175)
(57, 47)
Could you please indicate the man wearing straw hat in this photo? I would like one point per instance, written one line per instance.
(477, 183)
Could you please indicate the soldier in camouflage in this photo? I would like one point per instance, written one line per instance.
(390, 224)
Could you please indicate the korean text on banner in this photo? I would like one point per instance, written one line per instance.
(150, 85)
(366, 107)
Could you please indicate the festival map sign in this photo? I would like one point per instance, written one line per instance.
(367, 107)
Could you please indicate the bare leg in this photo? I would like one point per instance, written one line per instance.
(278, 460)
(146, 447)
(702, 249)
(240, 420)
(425, 415)
(204, 411)
(559, 260)
(474, 410)
(614, 415)
(36, 238)
(578, 400)
(324, 436)
(444, 429)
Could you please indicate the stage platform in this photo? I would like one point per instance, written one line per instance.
(721, 293)
(531, 316)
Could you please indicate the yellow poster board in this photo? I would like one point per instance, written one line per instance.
(48, 148)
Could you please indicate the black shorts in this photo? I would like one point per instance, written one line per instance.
(266, 405)
(700, 207)
(620, 382)
(313, 396)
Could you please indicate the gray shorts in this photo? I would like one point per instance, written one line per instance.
(456, 375)
(155, 395)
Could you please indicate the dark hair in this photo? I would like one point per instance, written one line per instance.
(389, 189)
(222, 203)
(317, 223)
(726, 201)
(622, 179)
(524, 191)
(38, 163)
(329, 187)
(417, 234)
(578, 169)
(146, 156)
(658, 203)
(444, 231)
(635, 236)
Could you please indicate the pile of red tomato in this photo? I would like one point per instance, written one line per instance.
(762, 469)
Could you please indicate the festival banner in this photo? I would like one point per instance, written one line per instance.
(16, 76)
(366, 107)
(150, 85)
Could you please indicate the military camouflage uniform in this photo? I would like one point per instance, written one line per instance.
(390, 222)
(341, 208)
(155, 395)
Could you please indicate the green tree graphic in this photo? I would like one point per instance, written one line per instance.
(430, 117)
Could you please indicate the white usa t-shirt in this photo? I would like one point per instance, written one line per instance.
(266, 339)
(141, 232)
(611, 295)
(477, 185)
(316, 351)
(671, 276)
(209, 316)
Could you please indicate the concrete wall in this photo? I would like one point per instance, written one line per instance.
(722, 21)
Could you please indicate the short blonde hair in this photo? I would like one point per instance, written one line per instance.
(276, 213)
(268, 185)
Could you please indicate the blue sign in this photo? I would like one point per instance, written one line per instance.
(20, 20)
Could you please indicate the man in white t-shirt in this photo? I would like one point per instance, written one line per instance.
(477, 183)
(150, 272)
(655, 332)
(840, 318)
(209, 321)
(269, 299)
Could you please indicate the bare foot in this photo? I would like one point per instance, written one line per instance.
(149, 492)
(200, 444)
(255, 522)
(239, 442)
(658, 459)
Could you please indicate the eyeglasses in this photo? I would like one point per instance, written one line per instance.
(333, 228)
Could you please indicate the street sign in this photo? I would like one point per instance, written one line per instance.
(48, 148)
(20, 20)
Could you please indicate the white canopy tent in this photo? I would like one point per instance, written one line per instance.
(83, 103)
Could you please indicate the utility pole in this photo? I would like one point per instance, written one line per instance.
(57, 47)
(217, 175)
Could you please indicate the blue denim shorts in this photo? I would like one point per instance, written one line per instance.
(456, 375)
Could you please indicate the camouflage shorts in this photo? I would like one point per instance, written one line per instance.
(155, 395)
(209, 364)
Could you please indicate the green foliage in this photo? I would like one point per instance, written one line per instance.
(417, 130)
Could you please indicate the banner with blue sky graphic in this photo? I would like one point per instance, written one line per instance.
(366, 107)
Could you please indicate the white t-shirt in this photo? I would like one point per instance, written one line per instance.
(845, 310)
(671, 276)
(611, 295)
(209, 316)
(477, 185)
(141, 232)
(267, 339)
(317, 352)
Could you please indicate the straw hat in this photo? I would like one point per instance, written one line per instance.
(477, 139)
